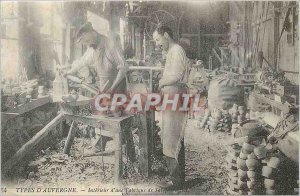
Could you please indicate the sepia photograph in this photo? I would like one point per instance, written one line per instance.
(167, 97)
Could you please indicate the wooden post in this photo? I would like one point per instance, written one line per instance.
(143, 145)
(276, 34)
(24, 44)
(150, 115)
(118, 156)
(70, 139)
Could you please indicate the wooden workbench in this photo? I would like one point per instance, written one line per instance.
(23, 108)
(118, 128)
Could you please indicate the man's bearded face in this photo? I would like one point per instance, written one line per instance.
(90, 39)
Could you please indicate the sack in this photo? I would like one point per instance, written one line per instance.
(223, 93)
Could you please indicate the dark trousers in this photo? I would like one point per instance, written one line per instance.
(177, 168)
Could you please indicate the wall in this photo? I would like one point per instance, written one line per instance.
(203, 23)
(256, 26)
(288, 52)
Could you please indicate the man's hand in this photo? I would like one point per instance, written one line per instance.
(160, 85)
(64, 71)
(109, 91)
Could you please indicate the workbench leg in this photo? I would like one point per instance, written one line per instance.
(118, 157)
(61, 129)
(70, 139)
(144, 140)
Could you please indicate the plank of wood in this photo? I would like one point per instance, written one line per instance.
(104, 153)
(106, 123)
(294, 135)
(290, 147)
(149, 68)
(29, 146)
(273, 103)
(82, 100)
(70, 139)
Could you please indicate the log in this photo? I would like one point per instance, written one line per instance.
(70, 139)
(29, 146)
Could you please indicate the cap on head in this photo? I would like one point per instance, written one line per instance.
(85, 28)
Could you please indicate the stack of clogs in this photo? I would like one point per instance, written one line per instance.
(217, 120)
(296, 190)
(231, 158)
(269, 171)
(245, 168)
(238, 113)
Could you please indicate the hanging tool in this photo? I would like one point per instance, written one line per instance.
(261, 58)
(285, 23)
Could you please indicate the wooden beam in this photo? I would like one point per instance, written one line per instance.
(104, 153)
(214, 34)
(271, 102)
(96, 121)
(217, 55)
(29, 146)
(276, 36)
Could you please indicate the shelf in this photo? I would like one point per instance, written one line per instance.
(273, 103)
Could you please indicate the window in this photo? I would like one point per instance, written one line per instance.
(9, 40)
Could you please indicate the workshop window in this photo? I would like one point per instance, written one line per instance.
(51, 14)
(9, 40)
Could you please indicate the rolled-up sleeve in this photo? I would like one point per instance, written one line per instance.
(115, 55)
(86, 60)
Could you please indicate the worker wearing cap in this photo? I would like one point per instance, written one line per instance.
(173, 81)
(103, 55)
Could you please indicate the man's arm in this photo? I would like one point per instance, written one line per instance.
(116, 56)
(86, 60)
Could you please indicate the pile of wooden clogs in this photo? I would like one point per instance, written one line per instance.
(238, 114)
(269, 172)
(247, 178)
(296, 190)
(253, 168)
(222, 120)
(231, 158)
(216, 120)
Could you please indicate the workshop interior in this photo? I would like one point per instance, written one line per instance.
(239, 59)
